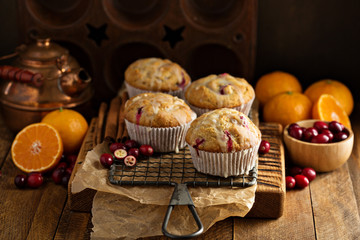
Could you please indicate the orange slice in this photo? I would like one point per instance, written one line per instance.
(37, 148)
(327, 108)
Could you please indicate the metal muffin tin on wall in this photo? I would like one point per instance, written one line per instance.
(203, 36)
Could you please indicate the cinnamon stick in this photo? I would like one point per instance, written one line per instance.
(121, 118)
(112, 118)
(100, 123)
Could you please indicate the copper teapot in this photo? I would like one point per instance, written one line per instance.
(43, 78)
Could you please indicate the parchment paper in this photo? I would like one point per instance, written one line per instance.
(131, 212)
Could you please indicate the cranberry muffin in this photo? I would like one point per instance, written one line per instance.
(156, 75)
(220, 91)
(158, 119)
(223, 142)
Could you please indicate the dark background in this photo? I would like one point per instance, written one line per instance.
(312, 39)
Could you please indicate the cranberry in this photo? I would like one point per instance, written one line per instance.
(71, 159)
(20, 181)
(293, 125)
(290, 182)
(120, 154)
(146, 150)
(106, 159)
(340, 136)
(295, 171)
(35, 180)
(115, 146)
(134, 151)
(130, 161)
(309, 173)
(301, 181)
(69, 170)
(296, 133)
(264, 147)
(329, 134)
(62, 165)
(309, 133)
(320, 125)
(321, 138)
(335, 126)
(131, 144)
(57, 175)
(65, 179)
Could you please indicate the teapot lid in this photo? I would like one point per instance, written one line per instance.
(43, 50)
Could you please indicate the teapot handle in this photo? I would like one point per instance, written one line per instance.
(21, 75)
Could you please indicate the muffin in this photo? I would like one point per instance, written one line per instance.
(223, 142)
(220, 91)
(158, 119)
(156, 75)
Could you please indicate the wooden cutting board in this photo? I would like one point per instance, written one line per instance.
(271, 190)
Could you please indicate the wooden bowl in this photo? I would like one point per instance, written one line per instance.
(323, 157)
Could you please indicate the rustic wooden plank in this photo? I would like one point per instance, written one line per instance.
(5, 141)
(18, 206)
(334, 205)
(73, 225)
(48, 212)
(296, 222)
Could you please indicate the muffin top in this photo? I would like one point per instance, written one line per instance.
(217, 91)
(223, 130)
(156, 74)
(158, 110)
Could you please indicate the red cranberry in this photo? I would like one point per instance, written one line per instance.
(296, 133)
(134, 151)
(115, 146)
(35, 180)
(340, 136)
(321, 138)
(301, 181)
(264, 147)
(57, 174)
(293, 125)
(130, 161)
(309, 134)
(290, 182)
(146, 150)
(62, 165)
(295, 171)
(106, 159)
(309, 173)
(71, 159)
(130, 144)
(20, 181)
(335, 126)
(320, 125)
(329, 134)
(65, 179)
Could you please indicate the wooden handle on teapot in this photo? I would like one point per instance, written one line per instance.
(21, 75)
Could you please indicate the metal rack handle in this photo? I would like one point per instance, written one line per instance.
(181, 196)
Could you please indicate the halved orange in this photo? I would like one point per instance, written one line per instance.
(327, 108)
(37, 148)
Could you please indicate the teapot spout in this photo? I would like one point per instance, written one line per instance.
(75, 82)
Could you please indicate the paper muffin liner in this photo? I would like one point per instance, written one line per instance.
(244, 108)
(225, 164)
(133, 91)
(161, 139)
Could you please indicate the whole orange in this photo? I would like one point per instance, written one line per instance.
(287, 107)
(71, 125)
(335, 88)
(274, 83)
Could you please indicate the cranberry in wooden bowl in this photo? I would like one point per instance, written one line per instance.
(318, 151)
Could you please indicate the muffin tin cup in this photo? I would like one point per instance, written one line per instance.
(161, 139)
(135, 91)
(224, 164)
(245, 108)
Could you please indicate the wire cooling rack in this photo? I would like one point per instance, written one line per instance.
(173, 168)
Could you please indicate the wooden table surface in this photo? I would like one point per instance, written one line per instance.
(327, 209)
